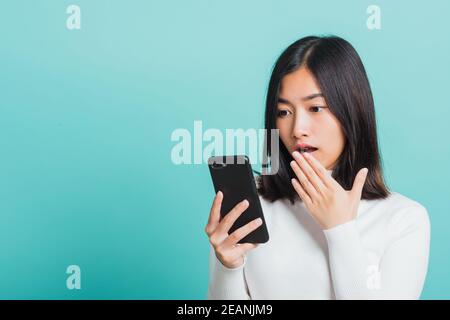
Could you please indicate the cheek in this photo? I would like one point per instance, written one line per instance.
(339, 138)
(334, 137)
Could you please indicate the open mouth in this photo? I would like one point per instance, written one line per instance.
(308, 149)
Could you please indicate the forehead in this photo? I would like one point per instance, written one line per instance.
(298, 84)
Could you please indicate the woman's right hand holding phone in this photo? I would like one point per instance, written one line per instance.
(228, 250)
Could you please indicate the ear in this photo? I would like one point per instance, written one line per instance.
(358, 184)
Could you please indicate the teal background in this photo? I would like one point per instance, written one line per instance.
(86, 116)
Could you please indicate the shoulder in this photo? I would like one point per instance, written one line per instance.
(398, 202)
(402, 214)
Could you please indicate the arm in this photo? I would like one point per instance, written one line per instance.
(403, 265)
(226, 283)
(226, 276)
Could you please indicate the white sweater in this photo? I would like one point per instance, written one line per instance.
(382, 254)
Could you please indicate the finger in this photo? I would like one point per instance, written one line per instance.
(320, 170)
(309, 172)
(359, 182)
(240, 250)
(214, 215)
(231, 217)
(306, 184)
(301, 192)
(243, 231)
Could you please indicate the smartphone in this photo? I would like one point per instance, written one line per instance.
(233, 176)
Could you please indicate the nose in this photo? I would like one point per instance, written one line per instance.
(302, 124)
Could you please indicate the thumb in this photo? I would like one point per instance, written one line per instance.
(358, 184)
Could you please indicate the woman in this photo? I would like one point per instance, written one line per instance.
(336, 232)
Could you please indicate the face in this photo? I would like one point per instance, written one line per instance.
(304, 119)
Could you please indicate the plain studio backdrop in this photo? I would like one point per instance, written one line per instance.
(86, 117)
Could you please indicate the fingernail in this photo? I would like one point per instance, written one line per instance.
(292, 163)
(296, 154)
(365, 171)
(258, 221)
(245, 202)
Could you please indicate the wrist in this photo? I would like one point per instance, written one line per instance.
(236, 265)
(335, 223)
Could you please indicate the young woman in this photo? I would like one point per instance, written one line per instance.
(336, 232)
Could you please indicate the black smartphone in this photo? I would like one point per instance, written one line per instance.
(233, 176)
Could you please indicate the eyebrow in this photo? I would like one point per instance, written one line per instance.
(310, 97)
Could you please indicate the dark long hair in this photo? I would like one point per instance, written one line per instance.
(342, 78)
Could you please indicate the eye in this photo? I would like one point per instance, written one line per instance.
(283, 113)
(316, 109)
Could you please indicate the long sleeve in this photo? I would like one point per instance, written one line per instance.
(225, 283)
(402, 267)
